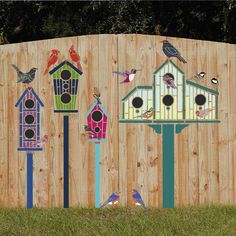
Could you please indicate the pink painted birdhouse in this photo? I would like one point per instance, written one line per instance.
(97, 122)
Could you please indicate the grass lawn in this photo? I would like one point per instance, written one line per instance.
(214, 220)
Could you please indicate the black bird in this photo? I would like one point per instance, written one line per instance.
(25, 78)
(171, 51)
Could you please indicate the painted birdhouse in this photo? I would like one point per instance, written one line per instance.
(171, 98)
(29, 135)
(97, 122)
(65, 80)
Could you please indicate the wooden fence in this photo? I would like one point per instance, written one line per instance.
(205, 154)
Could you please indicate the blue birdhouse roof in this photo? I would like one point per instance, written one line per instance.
(35, 95)
(93, 105)
(62, 64)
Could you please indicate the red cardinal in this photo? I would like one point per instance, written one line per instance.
(52, 59)
(75, 57)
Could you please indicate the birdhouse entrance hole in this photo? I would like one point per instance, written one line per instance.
(65, 74)
(65, 98)
(29, 133)
(29, 103)
(97, 116)
(137, 102)
(29, 119)
(200, 99)
(168, 100)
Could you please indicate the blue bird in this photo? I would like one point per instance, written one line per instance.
(138, 199)
(112, 200)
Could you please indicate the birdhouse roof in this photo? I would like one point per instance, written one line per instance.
(202, 87)
(27, 91)
(62, 64)
(132, 91)
(172, 63)
(93, 105)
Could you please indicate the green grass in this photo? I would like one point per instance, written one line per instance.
(214, 220)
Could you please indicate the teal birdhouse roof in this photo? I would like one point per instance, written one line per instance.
(55, 69)
(34, 94)
(172, 63)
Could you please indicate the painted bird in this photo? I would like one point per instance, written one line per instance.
(43, 140)
(96, 94)
(112, 200)
(52, 59)
(168, 79)
(203, 113)
(25, 78)
(147, 114)
(129, 76)
(89, 131)
(171, 51)
(75, 57)
(199, 76)
(138, 199)
(214, 81)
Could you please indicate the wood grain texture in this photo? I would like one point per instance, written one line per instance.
(205, 154)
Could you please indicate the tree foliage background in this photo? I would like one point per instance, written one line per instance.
(35, 20)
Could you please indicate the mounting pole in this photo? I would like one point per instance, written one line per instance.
(97, 175)
(29, 160)
(66, 161)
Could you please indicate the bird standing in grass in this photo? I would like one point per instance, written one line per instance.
(96, 94)
(25, 78)
(138, 201)
(171, 51)
(129, 76)
(52, 59)
(203, 113)
(168, 79)
(147, 114)
(112, 200)
(75, 57)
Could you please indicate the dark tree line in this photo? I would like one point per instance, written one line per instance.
(34, 20)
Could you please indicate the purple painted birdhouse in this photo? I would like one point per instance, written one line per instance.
(29, 130)
(97, 118)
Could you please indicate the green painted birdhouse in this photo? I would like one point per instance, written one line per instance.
(65, 83)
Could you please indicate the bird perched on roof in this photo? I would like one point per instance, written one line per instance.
(171, 51)
(203, 113)
(25, 78)
(147, 114)
(52, 59)
(75, 57)
(112, 200)
(138, 201)
(96, 94)
(168, 79)
(214, 81)
(129, 76)
(199, 76)
(89, 131)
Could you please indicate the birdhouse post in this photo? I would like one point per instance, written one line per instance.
(29, 133)
(97, 118)
(65, 84)
(170, 105)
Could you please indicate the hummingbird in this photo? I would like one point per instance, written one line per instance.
(112, 200)
(203, 113)
(138, 201)
(25, 78)
(129, 76)
(147, 114)
(171, 51)
(168, 79)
